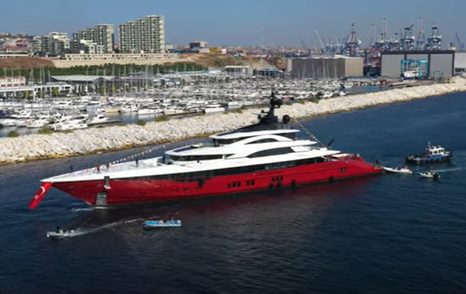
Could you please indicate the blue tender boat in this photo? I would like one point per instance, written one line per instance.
(432, 154)
(154, 224)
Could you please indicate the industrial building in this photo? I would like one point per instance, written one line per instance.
(197, 44)
(87, 83)
(143, 35)
(325, 67)
(460, 61)
(238, 70)
(99, 39)
(270, 72)
(439, 64)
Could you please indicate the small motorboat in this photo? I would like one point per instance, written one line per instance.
(430, 175)
(432, 154)
(62, 233)
(398, 170)
(154, 224)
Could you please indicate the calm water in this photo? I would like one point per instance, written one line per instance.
(382, 234)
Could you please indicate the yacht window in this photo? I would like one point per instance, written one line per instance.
(186, 148)
(196, 157)
(218, 142)
(271, 152)
(263, 141)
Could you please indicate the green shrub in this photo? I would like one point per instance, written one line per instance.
(45, 131)
(314, 100)
(141, 122)
(12, 134)
(161, 118)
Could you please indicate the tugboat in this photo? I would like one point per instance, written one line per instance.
(266, 155)
(432, 154)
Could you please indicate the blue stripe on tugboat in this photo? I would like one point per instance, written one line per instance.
(432, 154)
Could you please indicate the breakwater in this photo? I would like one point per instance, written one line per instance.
(80, 142)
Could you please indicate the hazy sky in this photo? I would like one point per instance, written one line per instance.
(238, 22)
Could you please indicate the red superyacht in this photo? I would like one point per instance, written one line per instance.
(266, 155)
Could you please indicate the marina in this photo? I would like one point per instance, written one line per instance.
(210, 96)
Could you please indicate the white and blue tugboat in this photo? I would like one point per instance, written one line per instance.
(432, 154)
(155, 224)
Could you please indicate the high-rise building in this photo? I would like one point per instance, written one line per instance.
(143, 35)
(87, 47)
(102, 35)
(52, 44)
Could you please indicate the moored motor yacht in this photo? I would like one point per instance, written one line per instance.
(266, 155)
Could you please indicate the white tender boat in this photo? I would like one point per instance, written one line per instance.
(61, 234)
(154, 224)
(398, 170)
(430, 175)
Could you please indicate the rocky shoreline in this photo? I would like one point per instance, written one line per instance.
(93, 140)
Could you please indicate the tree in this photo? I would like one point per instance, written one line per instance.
(28, 95)
(55, 92)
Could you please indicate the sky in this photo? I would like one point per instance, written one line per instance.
(239, 22)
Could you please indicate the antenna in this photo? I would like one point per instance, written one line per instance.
(385, 28)
(460, 44)
(262, 37)
(373, 35)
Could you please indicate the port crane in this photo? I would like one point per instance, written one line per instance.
(320, 39)
(460, 44)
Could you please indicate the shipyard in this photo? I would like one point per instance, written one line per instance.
(305, 147)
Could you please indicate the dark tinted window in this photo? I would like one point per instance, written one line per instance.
(263, 141)
(270, 152)
(196, 157)
(236, 170)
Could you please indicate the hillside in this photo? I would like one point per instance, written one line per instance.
(25, 63)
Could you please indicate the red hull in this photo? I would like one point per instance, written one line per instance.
(125, 191)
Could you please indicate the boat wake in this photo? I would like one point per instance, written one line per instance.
(86, 231)
(446, 170)
(82, 209)
(92, 208)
